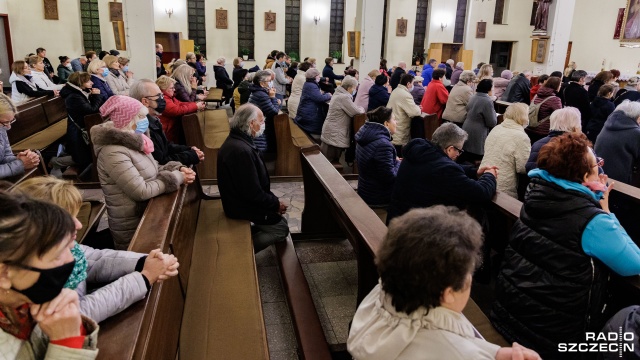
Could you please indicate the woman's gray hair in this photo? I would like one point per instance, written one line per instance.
(261, 76)
(460, 64)
(243, 117)
(449, 134)
(349, 82)
(467, 76)
(630, 108)
(567, 120)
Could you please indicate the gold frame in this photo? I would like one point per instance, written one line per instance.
(353, 44)
(402, 27)
(536, 45)
(222, 19)
(268, 24)
(115, 11)
(624, 24)
(51, 11)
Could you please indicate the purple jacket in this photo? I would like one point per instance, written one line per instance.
(183, 94)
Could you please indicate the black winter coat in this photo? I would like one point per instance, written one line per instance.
(532, 163)
(222, 77)
(601, 108)
(396, 76)
(78, 106)
(518, 90)
(328, 73)
(243, 89)
(593, 89)
(244, 182)
(377, 163)
(630, 95)
(165, 151)
(312, 109)
(619, 145)
(378, 96)
(270, 108)
(427, 177)
(574, 94)
(549, 290)
(238, 76)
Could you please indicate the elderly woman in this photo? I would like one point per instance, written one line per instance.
(336, 130)
(264, 97)
(379, 92)
(22, 88)
(171, 116)
(222, 79)
(99, 72)
(418, 90)
(481, 118)
(64, 69)
(129, 175)
(186, 84)
(561, 121)
(80, 99)
(457, 72)
(404, 108)
(508, 148)
(415, 312)
(500, 83)
(119, 82)
(566, 226)
(129, 275)
(456, 109)
(311, 111)
(10, 164)
(362, 97)
(376, 157)
(35, 262)
(436, 96)
(549, 102)
(296, 89)
(39, 76)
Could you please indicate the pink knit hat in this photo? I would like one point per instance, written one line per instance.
(120, 109)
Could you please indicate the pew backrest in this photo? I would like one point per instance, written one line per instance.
(207, 130)
(36, 117)
(290, 139)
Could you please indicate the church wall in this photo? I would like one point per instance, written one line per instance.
(4, 8)
(399, 48)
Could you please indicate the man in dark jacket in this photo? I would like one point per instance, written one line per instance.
(244, 182)
(222, 79)
(397, 74)
(519, 89)
(149, 94)
(430, 176)
(427, 72)
(619, 142)
(449, 64)
(574, 94)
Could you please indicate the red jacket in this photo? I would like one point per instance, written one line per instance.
(435, 98)
(171, 116)
(534, 91)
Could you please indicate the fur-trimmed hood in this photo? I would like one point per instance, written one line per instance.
(106, 134)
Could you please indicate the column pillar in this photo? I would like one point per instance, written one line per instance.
(369, 20)
(140, 36)
(559, 32)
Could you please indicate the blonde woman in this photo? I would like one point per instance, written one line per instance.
(567, 72)
(99, 72)
(118, 80)
(186, 84)
(508, 147)
(10, 164)
(38, 75)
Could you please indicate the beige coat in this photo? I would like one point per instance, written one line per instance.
(379, 332)
(38, 346)
(404, 108)
(296, 93)
(129, 178)
(507, 147)
(336, 130)
(456, 109)
(119, 84)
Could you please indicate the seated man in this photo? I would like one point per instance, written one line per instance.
(429, 175)
(244, 182)
(149, 94)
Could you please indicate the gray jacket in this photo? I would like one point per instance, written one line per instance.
(456, 109)
(281, 81)
(119, 84)
(125, 285)
(336, 130)
(9, 163)
(129, 178)
(481, 118)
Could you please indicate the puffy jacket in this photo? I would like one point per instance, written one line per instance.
(165, 151)
(171, 117)
(456, 109)
(129, 178)
(310, 115)
(518, 90)
(270, 108)
(243, 90)
(435, 98)
(222, 77)
(79, 104)
(100, 84)
(43, 81)
(619, 145)
(23, 90)
(427, 177)
(336, 130)
(403, 107)
(455, 75)
(427, 74)
(184, 94)
(378, 96)
(532, 163)
(499, 86)
(238, 75)
(119, 83)
(481, 118)
(377, 163)
(9, 163)
(552, 104)
(574, 94)
(418, 92)
(362, 96)
(296, 93)
(63, 73)
(561, 294)
(601, 108)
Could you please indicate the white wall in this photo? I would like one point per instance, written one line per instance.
(400, 48)
(314, 39)
(178, 22)
(440, 12)
(4, 7)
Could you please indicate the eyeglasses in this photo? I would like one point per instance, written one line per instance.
(171, 88)
(8, 124)
(159, 95)
(460, 151)
(599, 161)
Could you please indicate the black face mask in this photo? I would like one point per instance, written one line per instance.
(162, 104)
(49, 284)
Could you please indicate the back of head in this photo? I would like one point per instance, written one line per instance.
(349, 82)
(578, 75)
(506, 74)
(183, 75)
(102, 54)
(605, 90)
(460, 65)
(451, 62)
(557, 74)
(406, 79)
(630, 109)
(304, 66)
(518, 112)
(553, 83)
(480, 65)
(448, 134)
(381, 79)
(604, 76)
(243, 117)
(379, 115)
(57, 191)
(140, 88)
(6, 105)
(467, 77)
(114, 52)
(566, 120)
(615, 73)
(484, 86)
(425, 252)
(79, 78)
(565, 156)
(542, 78)
(438, 74)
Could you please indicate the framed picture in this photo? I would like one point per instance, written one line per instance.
(51, 9)
(221, 19)
(631, 23)
(115, 11)
(118, 33)
(481, 30)
(353, 44)
(269, 21)
(539, 49)
(401, 27)
(619, 22)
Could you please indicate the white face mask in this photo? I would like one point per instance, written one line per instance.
(354, 92)
(68, 66)
(241, 64)
(261, 131)
(270, 84)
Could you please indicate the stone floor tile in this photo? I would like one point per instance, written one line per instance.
(291, 354)
(338, 307)
(280, 337)
(270, 287)
(324, 251)
(349, 270)
(341, 329)
(330, 335)
(266, 257)
(276, 313)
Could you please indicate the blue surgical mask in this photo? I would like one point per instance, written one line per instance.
(142, 126)
(354, 92)
(105, 73)
(125, 68)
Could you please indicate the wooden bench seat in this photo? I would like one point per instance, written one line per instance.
(89, 216)
(43, 138)
(215, 95)
(290, 140)
(39, 124)
(207, 130)
(501, 106)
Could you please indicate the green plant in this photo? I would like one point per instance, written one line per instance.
(245, 51)
(337, 55)
(196, 48)
(294, 56)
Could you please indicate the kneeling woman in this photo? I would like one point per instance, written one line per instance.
(425, 264)
(129, 175)
(566, 226)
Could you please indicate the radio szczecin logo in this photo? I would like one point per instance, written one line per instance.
(602, 342)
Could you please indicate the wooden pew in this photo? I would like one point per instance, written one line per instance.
(423, 127)
(290, 140)
(215, 96)
(32, 102)
(333, 209)
(201, 313)
(501, 106)
(207, 130)
(40, 123)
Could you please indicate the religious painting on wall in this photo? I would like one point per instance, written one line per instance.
(619, 22)
(538, 50)
(270, 21)
(401, 27)
(115, 12)
(353, 44)
(221, 19)
(481, 30)
(51, 9)
(118, 33)
(631, 28)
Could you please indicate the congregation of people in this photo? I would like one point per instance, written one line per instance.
(560, 146)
